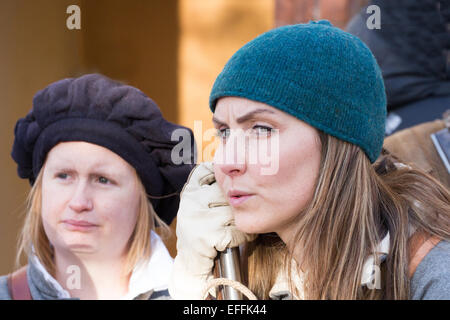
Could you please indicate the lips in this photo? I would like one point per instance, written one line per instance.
(237, 197)
(79, 225)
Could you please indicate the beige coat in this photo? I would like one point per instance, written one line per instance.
(414, 146)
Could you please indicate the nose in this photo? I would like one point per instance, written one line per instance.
(231, 157)
(81, 200)
(232, 169)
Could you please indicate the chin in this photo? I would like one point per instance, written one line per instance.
(79, 247)
(249, 224)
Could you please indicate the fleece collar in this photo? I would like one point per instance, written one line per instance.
(282, 291)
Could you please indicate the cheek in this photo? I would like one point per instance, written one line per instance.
(54, 200)
(286, 193)
(53, 204)
(299, 167)
(118, 213)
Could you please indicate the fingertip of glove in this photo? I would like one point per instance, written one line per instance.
(208, 179)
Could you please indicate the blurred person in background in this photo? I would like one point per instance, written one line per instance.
(412, 48)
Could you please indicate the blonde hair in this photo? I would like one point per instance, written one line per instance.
(353, 206)
(33, 238)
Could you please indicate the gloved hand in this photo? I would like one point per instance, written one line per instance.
(205, 225)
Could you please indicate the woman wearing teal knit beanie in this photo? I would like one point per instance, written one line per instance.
(327, 215)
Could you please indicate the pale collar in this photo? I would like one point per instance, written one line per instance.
(370, 268)
(282, 291)
(154, 274)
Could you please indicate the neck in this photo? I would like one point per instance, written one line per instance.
(89, 278)
(287, 236)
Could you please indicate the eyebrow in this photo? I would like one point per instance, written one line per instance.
(245, 117)
(96, 169)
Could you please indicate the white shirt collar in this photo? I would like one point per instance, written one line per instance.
(154, 274)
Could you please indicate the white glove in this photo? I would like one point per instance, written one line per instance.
(205, 225)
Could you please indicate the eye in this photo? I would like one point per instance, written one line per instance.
(262, 130)
(62, 175)
(103, 180)
(223, 133)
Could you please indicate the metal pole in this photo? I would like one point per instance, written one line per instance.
(229, 267)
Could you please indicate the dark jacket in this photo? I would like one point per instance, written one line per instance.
(413, 51)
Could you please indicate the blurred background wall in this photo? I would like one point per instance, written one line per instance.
(170, 49)
(35, 49)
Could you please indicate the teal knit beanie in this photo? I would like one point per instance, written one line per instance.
(317, 73)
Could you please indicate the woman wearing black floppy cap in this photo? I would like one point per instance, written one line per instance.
(98, 154)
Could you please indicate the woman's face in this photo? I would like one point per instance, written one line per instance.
(90, 200)
(265, 200)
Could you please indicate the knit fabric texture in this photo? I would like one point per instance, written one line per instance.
(317, 73)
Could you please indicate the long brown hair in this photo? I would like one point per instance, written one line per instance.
(354, 205)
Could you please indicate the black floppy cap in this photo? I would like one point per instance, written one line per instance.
(98, 110)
